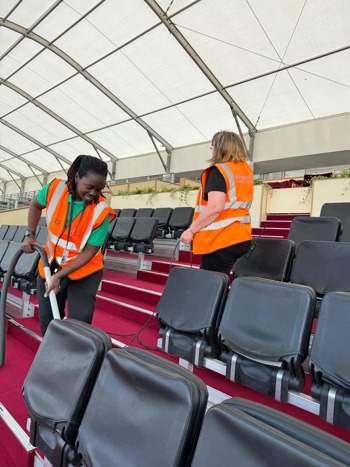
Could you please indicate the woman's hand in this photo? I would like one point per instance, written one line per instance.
(187, 236)
(27, 244)
(54, 285)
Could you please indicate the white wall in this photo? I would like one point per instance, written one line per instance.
(318, 143)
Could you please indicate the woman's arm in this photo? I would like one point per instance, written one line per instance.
(215, 205)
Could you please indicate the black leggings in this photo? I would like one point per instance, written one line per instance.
(80, 295)
(223, 260)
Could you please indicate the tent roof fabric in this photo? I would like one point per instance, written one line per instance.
(120, 78)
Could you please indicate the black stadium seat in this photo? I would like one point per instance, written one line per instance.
(119, 236)
(329, 359)
(144, 212)
(339, 210)
(180, 220)
(144, 411)
(324, 266)
(264, 333)
(345, 237)
(270, 259)
(59, 383)
(127, 212)
(189, 312)
(163, 215)
(314, 228)
(142, 235)
(239, 432)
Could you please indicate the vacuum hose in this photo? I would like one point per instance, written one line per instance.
(7, 283)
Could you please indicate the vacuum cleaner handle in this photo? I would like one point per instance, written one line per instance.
(47, 272)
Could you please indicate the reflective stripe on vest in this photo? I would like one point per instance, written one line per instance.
(226, 222)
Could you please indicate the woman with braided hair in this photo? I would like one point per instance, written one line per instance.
(77, 218)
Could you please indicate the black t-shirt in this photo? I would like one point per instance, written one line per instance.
(215, 182)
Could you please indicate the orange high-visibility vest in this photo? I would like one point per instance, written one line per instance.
(233, 224)
(82, 225)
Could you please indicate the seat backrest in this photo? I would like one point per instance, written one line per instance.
(127, 212)
(345, 237)
(163, 216)
(270, 259)
(143, 411)
(60, 380)
(181, 218)
(11, 231)
(144, 229)
(142, 235)
(314, 228)
(324, 266)
(267, 324)
(328, 363)
(20, 233)
(189, 311)
(339, 210)
(117, 212)
(3, 230)
(10, 252)
(144, 212)
(122, 228)
(245, 433)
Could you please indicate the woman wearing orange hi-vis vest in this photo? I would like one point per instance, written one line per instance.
(221, 228)
(77, 218)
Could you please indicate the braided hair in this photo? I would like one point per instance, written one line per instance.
(83, 165)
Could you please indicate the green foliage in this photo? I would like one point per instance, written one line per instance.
(345, 173)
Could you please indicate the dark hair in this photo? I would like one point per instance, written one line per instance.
(83, 165)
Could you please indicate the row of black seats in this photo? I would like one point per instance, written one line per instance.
(24, 275)
(258, 335)
(171, 221)
(319, 228)
(91, 405)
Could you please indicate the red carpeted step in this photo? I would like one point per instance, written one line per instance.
(188, 257)
(12, 451)
(120, 290)
(272, 224)
(153, 277)
(285, 217)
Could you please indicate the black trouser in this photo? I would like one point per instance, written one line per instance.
(80, 295)
(223, 260)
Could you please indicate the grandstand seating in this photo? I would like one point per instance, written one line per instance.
(324, 266)
(189, 312)
(314, 228)
(264, 334)
(163, 215)
(144, 212)
(345, 237)
(142, 235)
(244, 433)
(59, 383)
(180, 220)
(130, 407)
(120, 233)
(339, 210)
(270, 259)
(328, 362)
(127, 212)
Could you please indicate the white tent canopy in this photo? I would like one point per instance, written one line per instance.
(118, 78)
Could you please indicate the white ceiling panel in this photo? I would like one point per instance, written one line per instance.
(112, 67)
(83, 105)
(39, 124)
(42, 73)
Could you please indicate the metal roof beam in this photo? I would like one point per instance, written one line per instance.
(58, 157)
(30, 164)
(201, 64)
(75, 65)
